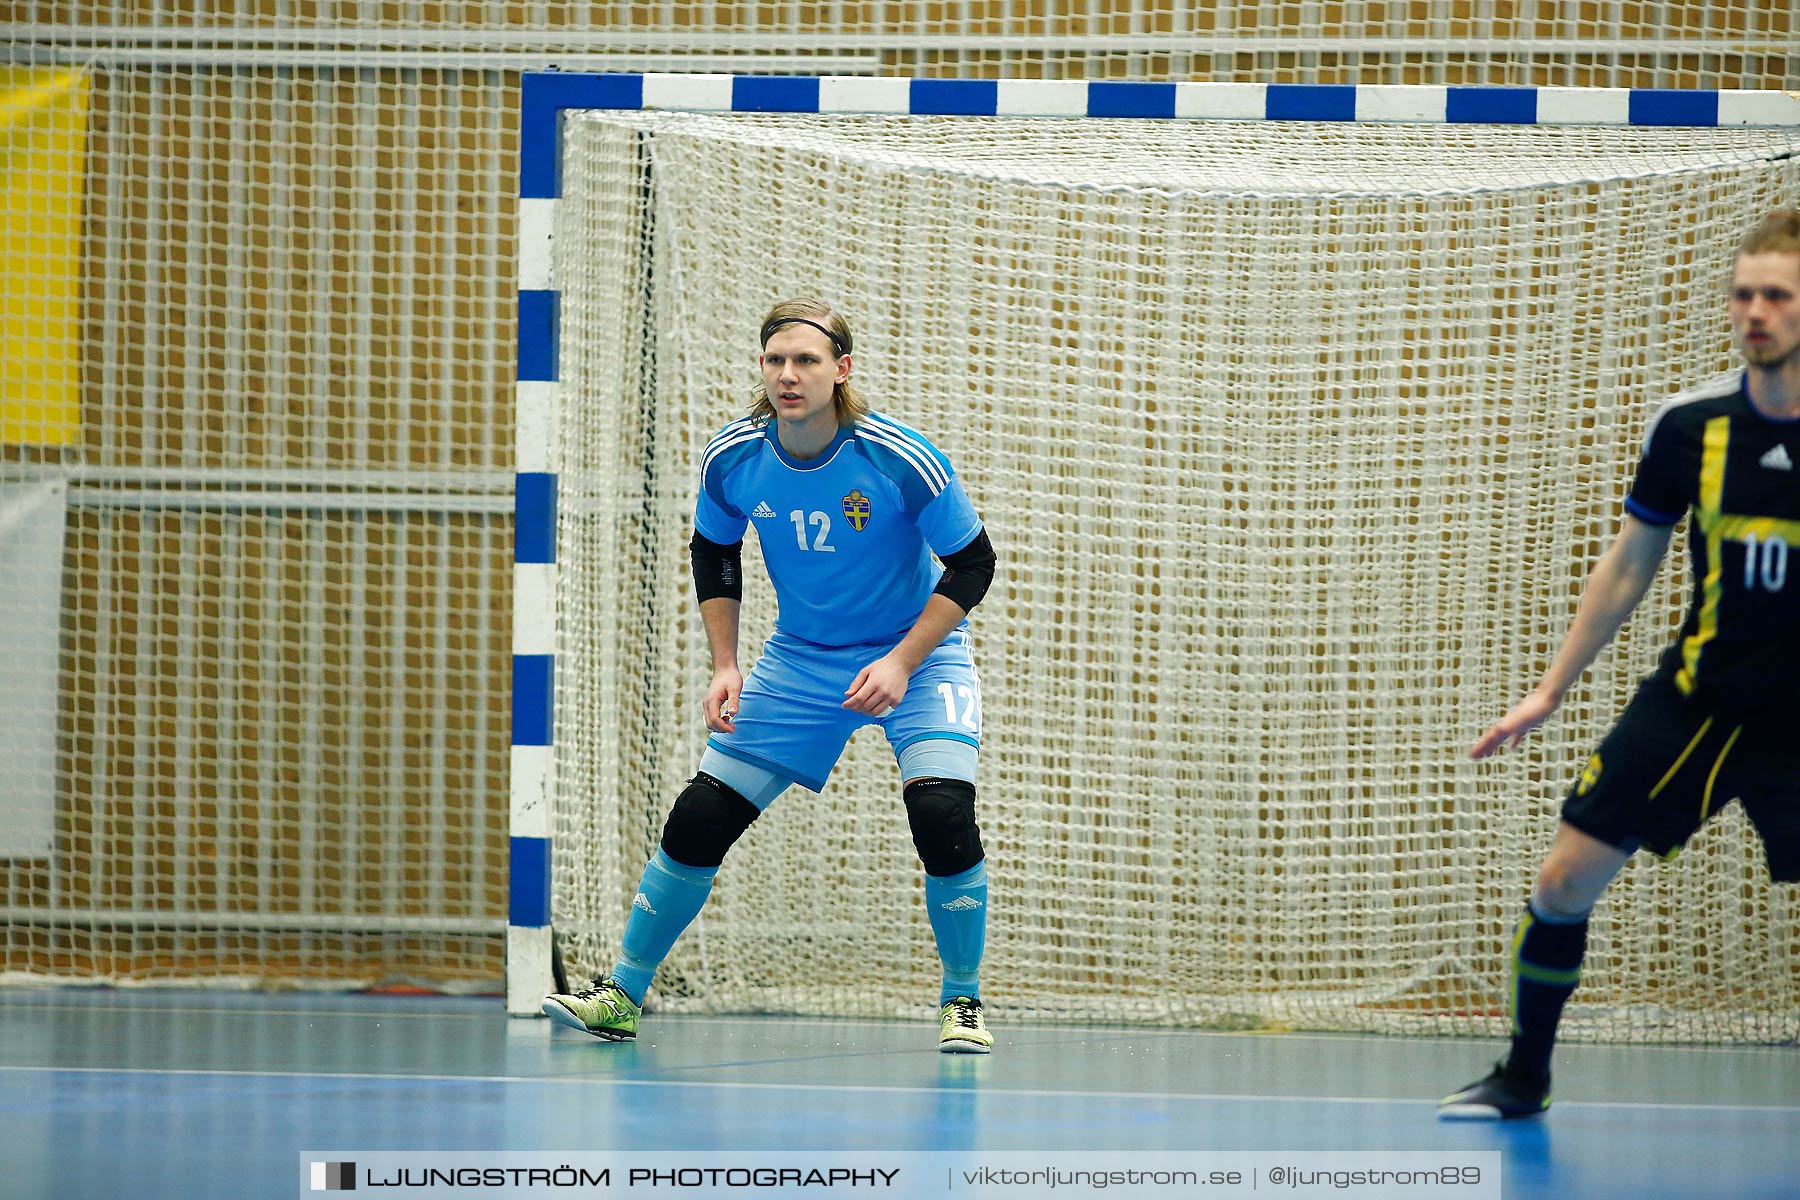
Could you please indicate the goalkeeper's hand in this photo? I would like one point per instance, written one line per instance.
(878, 688)
(721, 702)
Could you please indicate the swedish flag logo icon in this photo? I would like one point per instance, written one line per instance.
(1589, 777)
(856, 509)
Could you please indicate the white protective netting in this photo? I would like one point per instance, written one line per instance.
(1295, 441)
(1663, 43)
(258, 389)
(256, 512)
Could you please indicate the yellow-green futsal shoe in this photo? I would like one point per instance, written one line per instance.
(603, 1010)
(964, 1029)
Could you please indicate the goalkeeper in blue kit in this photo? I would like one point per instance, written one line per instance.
(850, 508)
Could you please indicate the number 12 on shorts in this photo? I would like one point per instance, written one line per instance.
(971, 719)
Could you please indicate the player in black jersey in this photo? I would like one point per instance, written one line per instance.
(1712, 723)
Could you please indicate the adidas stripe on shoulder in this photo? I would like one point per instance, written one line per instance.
(1716, 388)
(739, 433)
(913, 453)
(728, 448)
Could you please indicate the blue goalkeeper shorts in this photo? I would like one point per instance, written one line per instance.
(791, 718)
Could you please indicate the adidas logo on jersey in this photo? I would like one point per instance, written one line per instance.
(763, 509)
(642, 901)
(961, 904)
(1777, 459)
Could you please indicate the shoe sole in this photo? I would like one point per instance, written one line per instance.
(959, 1046)
(562, 1016)
(1482, 1112)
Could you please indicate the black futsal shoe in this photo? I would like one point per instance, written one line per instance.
(1504, 1095)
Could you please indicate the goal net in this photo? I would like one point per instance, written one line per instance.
(1295, 440)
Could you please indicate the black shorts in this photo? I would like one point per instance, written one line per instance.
(1669, 766)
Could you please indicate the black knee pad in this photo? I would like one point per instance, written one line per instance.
(942, 815)
(707, 818)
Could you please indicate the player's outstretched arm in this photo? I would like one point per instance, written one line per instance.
(1614, 588)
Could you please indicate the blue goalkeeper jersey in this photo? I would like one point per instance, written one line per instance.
(847, 537)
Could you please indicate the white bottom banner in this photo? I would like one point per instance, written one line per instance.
(962, 1174)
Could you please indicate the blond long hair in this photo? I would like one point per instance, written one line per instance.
(849, 403)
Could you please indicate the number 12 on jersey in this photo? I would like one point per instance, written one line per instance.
(821, 522)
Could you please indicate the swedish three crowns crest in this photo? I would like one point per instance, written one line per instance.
(856, 509)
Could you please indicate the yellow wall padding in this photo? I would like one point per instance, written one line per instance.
(43, 121)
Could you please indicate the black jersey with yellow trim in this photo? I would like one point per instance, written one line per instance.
(1712, 455)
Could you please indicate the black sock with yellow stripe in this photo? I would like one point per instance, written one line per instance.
(1546, 966)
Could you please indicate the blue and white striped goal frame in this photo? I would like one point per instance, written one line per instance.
(547, 94)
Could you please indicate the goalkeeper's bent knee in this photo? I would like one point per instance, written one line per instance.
(707, 819)
(942, 815)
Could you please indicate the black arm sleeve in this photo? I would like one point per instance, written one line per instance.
(968, 572)
(718, 569)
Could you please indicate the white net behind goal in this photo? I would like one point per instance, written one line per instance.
(1295, 443)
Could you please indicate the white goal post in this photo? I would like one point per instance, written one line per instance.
(1296, 414)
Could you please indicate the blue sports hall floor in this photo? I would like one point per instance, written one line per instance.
(134, 1093)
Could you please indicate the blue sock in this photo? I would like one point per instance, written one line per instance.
(668, 898)
(957, 905)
